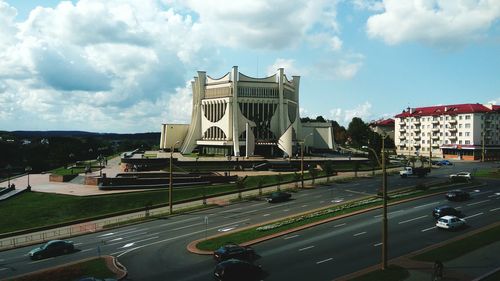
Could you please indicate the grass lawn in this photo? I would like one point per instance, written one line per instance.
(461, 247)
(488, 173)
(392, 273)
(95, 268)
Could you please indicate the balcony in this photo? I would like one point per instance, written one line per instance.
(435, 129)
(452, 129)
(435, 137)
(452, 137)
(416, 137)
(402, 137)
(453, 121)
(435, 121)
(417, 129)
(435, 144)
(402, 123)
(417, 144)
(416, 122)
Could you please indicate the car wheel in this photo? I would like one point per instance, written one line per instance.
(37, 257)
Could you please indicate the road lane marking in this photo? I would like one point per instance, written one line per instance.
(291, 237)
(321, 202)
(306, 248)
(361, 233)
(478, 214)
(357, 192)
(122, 252)
(414, 219)
(494, 195)
(33, 262)
(265, 215)
(86, 250)
(496, 209)
(475, 203)
(339, 225)
(116, 239)
(227, 211)
(187, 226)
(107, 234)
(427, 229)
(327, 260)
(176, 222)
(303, 206)
(390, 213)
(76, 244)
(425, 205)
(378, 244)
(128, 245)
(135, 242)
(286, 210)
(2, 269)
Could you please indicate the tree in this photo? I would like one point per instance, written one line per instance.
(359, 132)
(313, 172)
(240, 184)
(296, 179)
(339, 132)
(279, 178)
(328, 168)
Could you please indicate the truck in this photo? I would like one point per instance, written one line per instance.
(417, 171)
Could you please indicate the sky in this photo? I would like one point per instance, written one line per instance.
(123, 66)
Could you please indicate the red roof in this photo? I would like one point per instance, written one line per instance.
(496, 108)
(383, 122)
(452, 109)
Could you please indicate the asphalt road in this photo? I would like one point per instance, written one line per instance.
(157, 250)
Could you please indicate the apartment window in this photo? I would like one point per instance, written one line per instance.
(467, 126)
(460, 126)
(447, 117)
(467, 117)
(467, 142)
(460, 142)
(467, 134)
(446, 141)
(460, 117)
(460, 134)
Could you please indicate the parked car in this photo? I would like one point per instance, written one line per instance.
(461, 176)
(237, 270)
(234, 251)
(458, 195)
(444, 163)
(51, 249)
(450, 222)
(442, 211)
(279, 196)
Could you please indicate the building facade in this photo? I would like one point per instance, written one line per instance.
(241, 115)
(462, 131)
(383, 127)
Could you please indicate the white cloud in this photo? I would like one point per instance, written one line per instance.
(288, 65)
(370, 5)
(180, 105)
(344, 67)
(495, 101)
(434, 22)
(344, 116)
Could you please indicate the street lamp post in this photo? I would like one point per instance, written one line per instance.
(28, 170)
(384, 203)
(100, 158)
(170, 189)
(8, 168)
(302, 161)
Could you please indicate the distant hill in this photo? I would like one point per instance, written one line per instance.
(112, 136)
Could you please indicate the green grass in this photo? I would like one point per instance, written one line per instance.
(96, 268)
(461, 247)
(488, 173)
(392, 273)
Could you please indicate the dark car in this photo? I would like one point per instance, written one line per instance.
(234, 251)
(442, 211)
(51, 249)
(444, 163)
(279, 196)
(457, 195)
(237, 270)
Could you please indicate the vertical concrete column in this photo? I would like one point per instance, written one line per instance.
(236, 131)
(282, 120)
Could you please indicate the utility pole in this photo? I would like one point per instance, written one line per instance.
(384, 219)
(170, 189)
(430, 151)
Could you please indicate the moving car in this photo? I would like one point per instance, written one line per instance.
(442, 211)
(450, 222)
(234, 251)
(279, 196)
(457, 195)
(51, 249)
(461, 175)
(237, 270)
(444, 163)
(417, 171)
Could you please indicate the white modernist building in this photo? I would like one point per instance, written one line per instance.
(460, 131)
(241, 116)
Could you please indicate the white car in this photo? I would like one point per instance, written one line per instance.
(450, 222)
(465, 175)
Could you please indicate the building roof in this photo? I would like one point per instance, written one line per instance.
(383, 122)
(452, 109)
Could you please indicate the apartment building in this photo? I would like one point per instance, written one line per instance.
(460, 131)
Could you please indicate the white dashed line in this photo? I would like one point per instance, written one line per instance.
(425, 205)
(472, 204)
(376, 245)
(321, 202)
(478, 214)
(496, 209)
(290, 237)
(227, 211)
(339, 225)
(286, 210)
(306, 248)
(414, 219)
(427, 229)
(361, 233)
(41, 261)
(303, 206)
(265, 215)
(1, 269)
(320, 262)
(86, 250)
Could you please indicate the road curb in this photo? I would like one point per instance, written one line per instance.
(191, 247)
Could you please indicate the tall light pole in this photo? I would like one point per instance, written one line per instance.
(100, 158)
(170, 189)
(384, 203)
(28, 170)
(302, 160)
(8, 168)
